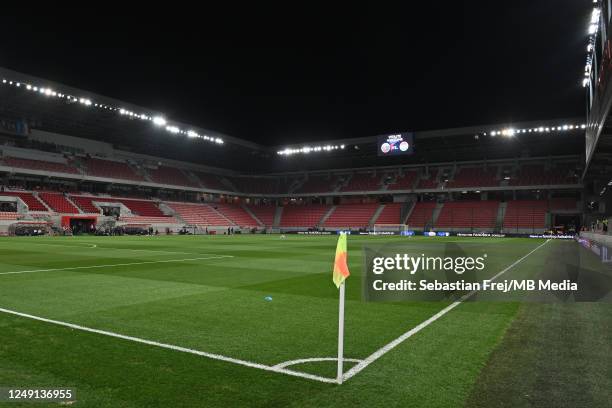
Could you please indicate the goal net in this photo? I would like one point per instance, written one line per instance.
(389, 228)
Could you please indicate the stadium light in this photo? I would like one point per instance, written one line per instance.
(309, 149)
(157, 120)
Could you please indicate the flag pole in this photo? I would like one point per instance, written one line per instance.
(340, 333)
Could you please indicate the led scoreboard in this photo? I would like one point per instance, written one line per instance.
(396, 144)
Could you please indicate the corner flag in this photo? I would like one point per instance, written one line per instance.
(341, 271)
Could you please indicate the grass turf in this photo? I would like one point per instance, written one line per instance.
(217, 306)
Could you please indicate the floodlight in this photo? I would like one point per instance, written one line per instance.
(159, 121)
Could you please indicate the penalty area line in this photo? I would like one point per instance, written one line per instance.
(275, 369)
(390, 346)
(119, 264)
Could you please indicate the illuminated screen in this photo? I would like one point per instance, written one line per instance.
(396, 144)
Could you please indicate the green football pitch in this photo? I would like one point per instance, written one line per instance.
(184, 321)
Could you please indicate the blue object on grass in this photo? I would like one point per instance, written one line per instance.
(268, 298)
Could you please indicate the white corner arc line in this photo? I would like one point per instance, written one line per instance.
(285, 364)
(390, 346)
(119, 264)
(213, 356)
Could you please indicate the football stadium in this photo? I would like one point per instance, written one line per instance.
(151, 261)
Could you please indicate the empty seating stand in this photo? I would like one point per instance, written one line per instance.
(58, 203)
(351, 215)
(537, 174)
(525, 216)
(265, 213)
(468, 215)
(237, 215)
(170, 175)
(200, 215)
(148, 220)
(390, 214)
(421, 214)
(85, 204)
(211, 181)
(307, 216)
(111, 169)
(40, 165)
(474, 177)
(363, 182)
(318, 184)
(137, 207)
(33, 203)
(255, 185)
(405, 181)
(430, 183)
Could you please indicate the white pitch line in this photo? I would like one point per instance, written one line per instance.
(113, 265)
(390, 346)
(285, 364)
(220, 357)
(79, 245)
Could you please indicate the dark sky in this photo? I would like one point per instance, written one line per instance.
(294, 74)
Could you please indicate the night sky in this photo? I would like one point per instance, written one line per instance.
(278, 76)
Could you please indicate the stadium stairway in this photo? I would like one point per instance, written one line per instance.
(406, 210)
(236, 214)
(499, 220)
(376, 214)
(436, 213)
(278, 215)
(40, 200)
(253, 215)
(169, 211)
(326, 216)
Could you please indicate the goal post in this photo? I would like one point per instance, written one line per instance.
(389, 228)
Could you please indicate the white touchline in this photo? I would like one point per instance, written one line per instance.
(78, 245)
(390, 346)
(119, 264)
(220, 357)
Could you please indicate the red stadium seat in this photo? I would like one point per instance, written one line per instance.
(421, 214)
(390, 214)
(265, 213)
(238, 215)
(58, 203)
(143, 208)
(525, 214)
(318, 184)
(405, 182)
(111, 169)
(170, 175)
(363, 182)
(303, 215)
(31, 201)
(351, 215)
(474, 177)
(468, 214)
(40, 165)
(211, 181)
(200, 214)
(430, 183)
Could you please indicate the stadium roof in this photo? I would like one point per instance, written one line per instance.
(63, 109)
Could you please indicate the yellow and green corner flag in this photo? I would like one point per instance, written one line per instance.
(341, 271)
